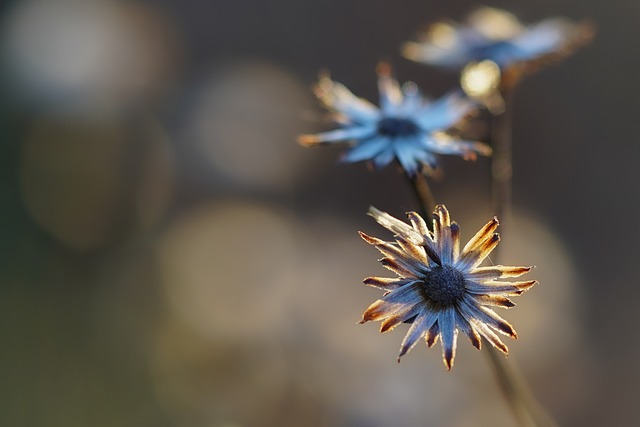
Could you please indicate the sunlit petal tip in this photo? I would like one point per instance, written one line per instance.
(308, 140)
(383, 69)
(525, 286)
(411, 50)
(448, 361)
(369, 239)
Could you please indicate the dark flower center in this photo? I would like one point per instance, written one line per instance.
(444, 285)
(395, 126)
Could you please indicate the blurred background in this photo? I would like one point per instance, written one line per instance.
(169, 256)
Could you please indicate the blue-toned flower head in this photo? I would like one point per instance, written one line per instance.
(498, 36)
(406, 126)
(440, 287)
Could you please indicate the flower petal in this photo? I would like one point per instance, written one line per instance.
(448, 335)
(393, 303)
(337, 135)
(396, 226)
(455, 241)
(420, 226)
(468, 330)
(470, 260)
(498, 288)
(497, 272)
(418, 328)
(488, 317)
(445, 112)
(400, 317)
(489, 335)
(384, 158)
(366, 150)
(337, 97)
(485, 233)
(386, 284)
(432, 335)
(415, 265)
(391, 95)
(494, 300)
(404, 153)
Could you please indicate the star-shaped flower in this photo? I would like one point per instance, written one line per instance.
(496, 35)
(406, 127)
(440, 288)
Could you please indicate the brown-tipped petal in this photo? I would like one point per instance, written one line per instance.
(432, 253)
(393, 252)
(396, 226)
(498, 288)
(414, 251)
(369, 239)
(494, 300)
(443, 214)
(432, 335)
(388, 87)
(418, 328)
(398, 268)
(420, 225)
(393, 303)
(455, 241)
(497, 272)
(488, 317)
(393, 321)
(410, 263)
(490, 336)
(448, 335)
(468, 330)
(470, 260)
(386, 284)
(482, 235)
(308, 140)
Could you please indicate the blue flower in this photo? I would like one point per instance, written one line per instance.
(406, 127)
(498, 36)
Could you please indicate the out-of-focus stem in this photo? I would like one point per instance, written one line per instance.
(512, 383)
(501, 163)
(423, 194)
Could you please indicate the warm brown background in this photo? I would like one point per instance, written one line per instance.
(170, 257)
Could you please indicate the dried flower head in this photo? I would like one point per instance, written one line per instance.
(407, 127)
(441, 289)
(497, 35)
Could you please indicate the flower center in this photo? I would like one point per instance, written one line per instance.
(395, 126)
(444, 285)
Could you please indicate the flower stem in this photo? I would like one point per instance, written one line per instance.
(423, 194)
(513, 385)
(526, 409)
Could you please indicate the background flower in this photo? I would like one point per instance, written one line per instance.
(496, 35)
(406, 127)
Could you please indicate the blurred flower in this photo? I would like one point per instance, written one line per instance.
(496, 35)
(440, 289)
(406, 127)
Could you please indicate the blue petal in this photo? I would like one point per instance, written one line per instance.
(384, 158)
(344, 134)
(366, 149)
(445, 112)
(405, 153)
(545, 37)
